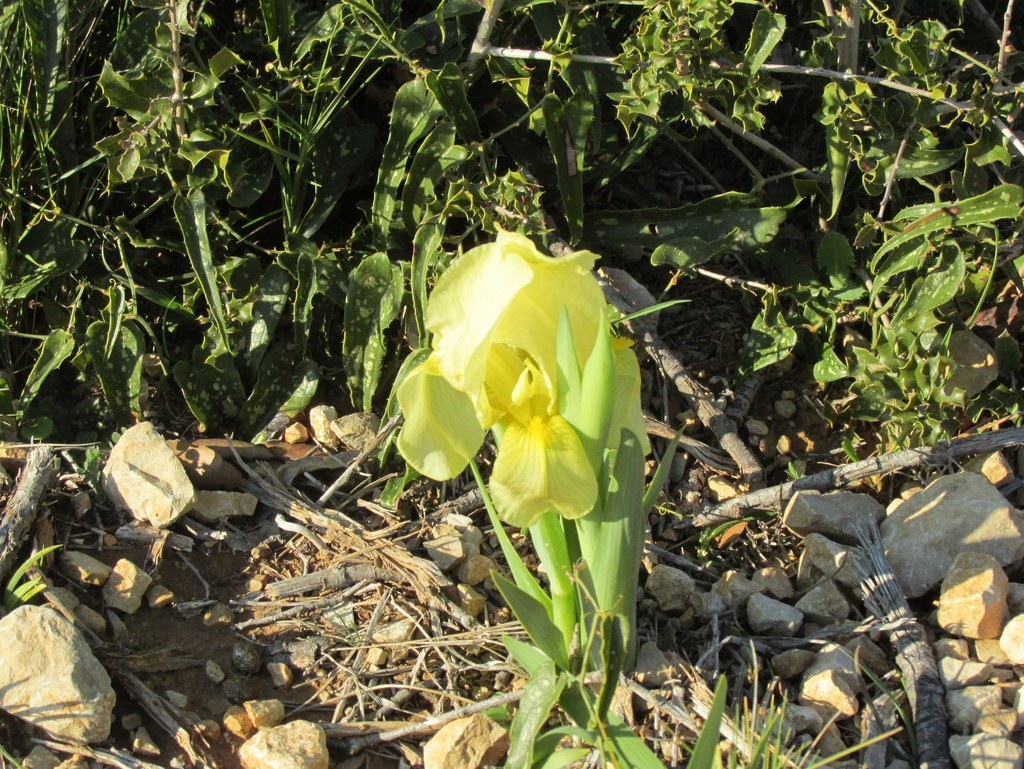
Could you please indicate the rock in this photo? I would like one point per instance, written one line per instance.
(1012, 640)
(470, 533)
(708, 605)
(830, 695)
(143, 744)
(831, 514)
(126, 587)
(954, 513)
(1015, 598)
(670, 587)
(470, 600)
(756, 427)
(296, 432)
(320, 419)
(265, 713)
(468, 743)
(653, 668)
(446, 551)
(957, 674)
(50, 678)
(218, 615)
(836, 658)
(357, 431)
(722, 488)
(785, 408)
(1002, 723)
(832, 559)
(205, 467)
(40, 758)
(991, 651)
(176, 698)
(475, 569)
(985, 751)
(965, 706)
(952, 647)
(865, 653)
(144, 477)
(84, 568)
(91, 619)
(773, 581)
(975, 366)
(216, 506)
(247, 657)
(280, 674)
(824, 604)
(770, 617)
(972, 603)
(236, 721)
(734, 588)
(993, 467)
(803, 720)
(792, 662)
(214, 671)
(159, 596)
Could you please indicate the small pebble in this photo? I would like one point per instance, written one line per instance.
(218, 615)
(236, 721)
(264, 713)
(214, 671)
(280, 674)
(785, 408)
(143, 743)
(296, 432)
(158, 596)
(247, 658)
(177, 699)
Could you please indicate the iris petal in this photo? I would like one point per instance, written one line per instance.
(542, 466)
(441, 433)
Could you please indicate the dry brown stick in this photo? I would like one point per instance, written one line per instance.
(180, 725)
(884, 598)
(109, 757)
(334, 578)
(775, 497)
(21, 509)
(616, 288)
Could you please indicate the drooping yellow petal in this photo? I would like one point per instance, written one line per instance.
(441, 433)
(542, 466)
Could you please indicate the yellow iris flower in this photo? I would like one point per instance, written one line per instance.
(494, 316)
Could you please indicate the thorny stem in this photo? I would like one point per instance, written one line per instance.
(178, 104)
(1004, 40)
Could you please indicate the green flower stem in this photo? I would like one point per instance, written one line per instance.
(549, 541)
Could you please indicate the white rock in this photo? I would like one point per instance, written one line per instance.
(144, 477)
(1012, 640)
(973, 599)
(216, 506)
(770, 617)
(83, 568)
(773, 581)
(832, 559)
(965, 706)
(320, 419)
(952, 647)
(50, 678)
(825, 604)
(985, 751)
(475, 569)
(295, 745)
(953, 514)
(734, 588)
(126, 587)
(956, 674)
(467, 743)
(832, 514)
(671, 588)
(838, 659)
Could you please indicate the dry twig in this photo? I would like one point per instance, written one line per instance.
(775, 497)
(23, 506)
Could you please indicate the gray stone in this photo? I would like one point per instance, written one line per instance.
(216, 506)
(446, 551)
(50, 678)
(833, 559)
(985, 751)
(965, 706)
(770, 617)
(957, 674)
(954, 513)
(824, 604)
(144, 477)
(832, 514)
(671, 588)
(975, 366)
(773, 581)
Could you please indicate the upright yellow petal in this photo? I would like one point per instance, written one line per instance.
(542, 466)
(441, 432)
